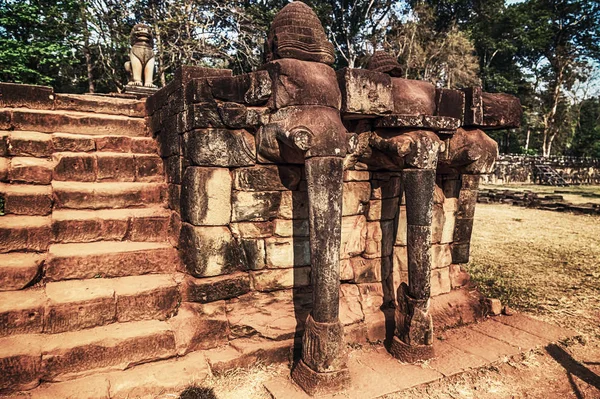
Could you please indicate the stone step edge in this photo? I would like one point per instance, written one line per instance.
(47, 310)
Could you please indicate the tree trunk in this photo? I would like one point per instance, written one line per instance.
(527, 139)
(86, 52)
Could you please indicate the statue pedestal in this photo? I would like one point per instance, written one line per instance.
(315, 383)
(140, 91)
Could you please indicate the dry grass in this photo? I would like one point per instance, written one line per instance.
(546, 263)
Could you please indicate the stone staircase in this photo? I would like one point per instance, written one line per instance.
(89, 281)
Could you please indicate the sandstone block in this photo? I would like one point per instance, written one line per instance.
(493, 306)
(370, 270)
(254, 251)
(279, 279)
(346, 271)
(501, 111)
(29, 144)
(413, 97)
(356, 175)
(448, 228)
(20, 362)
(116, 168)
(354, 235)
(385, 209)
(214, 289)
(440, 281)
(26, 199)
(441, 256)
(294, 205)
(17, 270)
(401, 259)
(219, 147)
(402, 227)
(15, 95)
(458, 276)
(202, 115)
(206, 196)
(30, 170)
(380, 239)
(75, 167)
(79, 304)
(200, 326)
(438, 222)
(287, 252)
(148, 168)
(252, 229)
(355, 198)
(252, 88)
(210, 251)
(255, 206)
(450, 103)
(365, 91)
(291, 228)
(150, 297)
(30, 233)
(174, 167)
(21, 312)
(298, 82)
(113, 143)
(267, 178)
(143, 145)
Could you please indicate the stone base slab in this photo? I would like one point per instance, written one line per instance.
(315, 383)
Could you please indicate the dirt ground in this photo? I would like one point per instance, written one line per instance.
(572, 194)
(543, 263)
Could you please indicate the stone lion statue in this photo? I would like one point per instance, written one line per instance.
(141, 56)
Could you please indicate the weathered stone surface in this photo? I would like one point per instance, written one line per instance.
(315, 383)
(290, 228)
(383, 209)
(101, 104)
(252, 88)
(24, 233)
(29, 144)
(200, 116)
(200, 326)
(287, 252)
(219, 147)
(400, 257)
(380, 239)
(458, 276)
(435, 123)
(413, 97)
(252, 229)
(26, 199)
(150, 297)
(116, 168)
(346, 271)
(75, 305)
(355, 198)
(437, 223)
(210, 251)
(473, 106)
(148, 168)
(279, 279)
(266, 178)
(26, 96)
(113, 143)
(117, 345)
(73, 142)
(17, 270)
(255, 206)
(76, 195)
(298, 82)
(77, 167)
(20, 361)
(354, 234)
(21, 312)
(276, 315)
(296, 32)
(294, 205)
(255, 253)
(214, 289)
(440, 281)
(385, 186)
(356, 175)
(238, 116)
(470, 151)
(365, 92)
(401, 231)
(30, 170)
(441, 256)
(206, 196)
(370, 270)
(450, 103)
(501, 111)
(109, 259)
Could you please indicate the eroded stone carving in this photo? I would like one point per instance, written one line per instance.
(141, 56)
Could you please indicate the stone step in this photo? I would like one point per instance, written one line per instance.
(135, 224)
(27, 359)
(109, 259)
(79, 304)
(24, 199)
(78, 195)
(162, 379)
(19, 269)
(107, 166)
(25, 233)
(47, 121)
(100, 104)
(26, 170)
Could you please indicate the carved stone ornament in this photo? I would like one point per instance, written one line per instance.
(384, 62)
(141, 56)
(296, 32)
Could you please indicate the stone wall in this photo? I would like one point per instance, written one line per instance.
(241, 221)
(519, 169)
